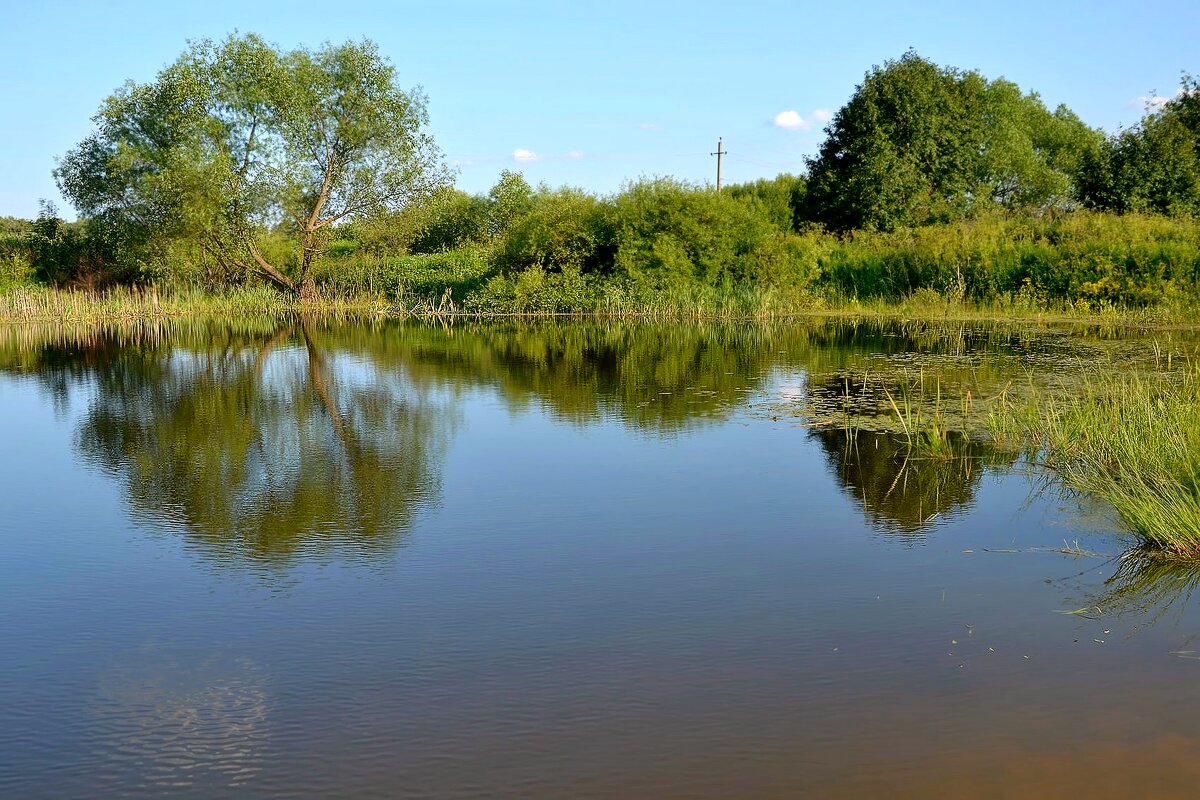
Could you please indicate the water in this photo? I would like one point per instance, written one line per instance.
(553, 560)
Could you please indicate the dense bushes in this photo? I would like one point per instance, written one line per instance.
(563, 230)
(931, 180)
(51, 251)
(16, 256)
(670, 233)
(665, 242)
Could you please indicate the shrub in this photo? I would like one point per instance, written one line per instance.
(670, 233)
(567, 229)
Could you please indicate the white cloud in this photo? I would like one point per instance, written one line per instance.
(650, 126)
(1150, 102)
(524, 156)
(791, 121)
(574, 155)
(463, 162)
(1155, 102)
(822, 115)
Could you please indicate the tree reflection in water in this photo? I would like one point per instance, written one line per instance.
(263, 452)
(902, 491)
(264, 441)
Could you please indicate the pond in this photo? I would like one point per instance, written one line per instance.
(376, 559)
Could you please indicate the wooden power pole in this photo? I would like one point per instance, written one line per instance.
(720, 152)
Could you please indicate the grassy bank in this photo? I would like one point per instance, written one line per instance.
(41, 304)
(538, 294)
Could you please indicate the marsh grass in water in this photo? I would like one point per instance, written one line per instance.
(1129, 437)
(1133, 440)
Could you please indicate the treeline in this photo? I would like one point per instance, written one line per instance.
(930, 179)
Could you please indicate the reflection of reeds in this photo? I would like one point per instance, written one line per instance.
(1146, 584)
(932, 427)
(928, 435)
(1133, 441)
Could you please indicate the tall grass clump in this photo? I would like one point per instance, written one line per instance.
(1133, 441)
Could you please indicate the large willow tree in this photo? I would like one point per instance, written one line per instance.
(237, 138)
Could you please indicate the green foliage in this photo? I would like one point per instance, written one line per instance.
(566, 229)
(779, 199)
(237, 138)
(509, 201)
(451, 219)
(1133, 441)
(1091, 258)
(535, 291)
(920, 144)
(1153, 167)
(671, 233)
(16, 254)
(79, 254)
(13, 227)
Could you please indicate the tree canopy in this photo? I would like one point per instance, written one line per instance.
(1154, 166)
(236, 138)
(918, 143)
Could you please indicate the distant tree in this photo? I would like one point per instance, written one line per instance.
(510, 200)
(14, 226)
(919, 143)
(451, 219)
(236, 138)
(1153, 167)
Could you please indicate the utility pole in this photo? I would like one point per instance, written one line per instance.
(720, 152)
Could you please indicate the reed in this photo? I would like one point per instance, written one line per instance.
(41, 304)
(1133, 440)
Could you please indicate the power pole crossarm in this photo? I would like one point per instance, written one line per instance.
(720, 152)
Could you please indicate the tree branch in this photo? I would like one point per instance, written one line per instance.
(267, 269)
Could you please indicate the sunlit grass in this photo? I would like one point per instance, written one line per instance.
(1133, 440)
(1130, 438)
(41, 304)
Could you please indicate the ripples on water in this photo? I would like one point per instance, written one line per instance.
(312, 559)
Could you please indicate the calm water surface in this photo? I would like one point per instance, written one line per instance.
(310, 559)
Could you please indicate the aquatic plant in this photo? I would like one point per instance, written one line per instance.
(1133, 440)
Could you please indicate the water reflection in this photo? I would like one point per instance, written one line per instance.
(901, 491)
(272, 439)
(1143, 587)
(692, 600)
(258, 447)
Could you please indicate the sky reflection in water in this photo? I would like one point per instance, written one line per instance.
(563, 559)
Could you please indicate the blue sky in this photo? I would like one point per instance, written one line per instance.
(595, 94)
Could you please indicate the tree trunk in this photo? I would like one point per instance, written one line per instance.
(307, 287)
(308, 291)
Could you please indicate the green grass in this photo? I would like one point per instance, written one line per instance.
(40, 304)
(1132, 440)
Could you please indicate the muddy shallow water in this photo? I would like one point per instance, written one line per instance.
(565, 559)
